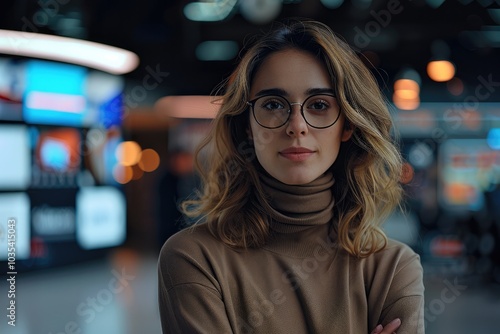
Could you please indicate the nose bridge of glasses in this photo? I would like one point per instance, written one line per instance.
(295, 103)
(298, 116)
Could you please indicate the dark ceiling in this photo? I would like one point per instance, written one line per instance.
(166, 40)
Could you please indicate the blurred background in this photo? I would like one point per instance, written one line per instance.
(96, 145)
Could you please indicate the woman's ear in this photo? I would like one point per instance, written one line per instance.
(347, 131)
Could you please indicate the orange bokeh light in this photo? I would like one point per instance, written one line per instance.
(122, 174)
(406, 84)
(137, 172)
(150, 160)
(440, 70)
(405, 104)
(406, 94)
(407, 173)
(455, 86)
(128, 153)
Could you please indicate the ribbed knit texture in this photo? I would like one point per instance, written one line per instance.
(301, 215)
(296, 206)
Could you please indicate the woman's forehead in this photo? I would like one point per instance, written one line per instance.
(292, 71)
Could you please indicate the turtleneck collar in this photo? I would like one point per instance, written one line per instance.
(300, 216)
(296, 207)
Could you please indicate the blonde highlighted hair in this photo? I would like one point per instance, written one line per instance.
(367, 170)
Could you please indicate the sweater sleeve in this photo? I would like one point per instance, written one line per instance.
(189, 295)
(399, 285)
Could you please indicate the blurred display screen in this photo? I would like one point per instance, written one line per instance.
(100, 154)
(16, 207)
(14, 157)
(52, 93)
(55, 93)
(439, 120)
(11, 89)
(105, 100)
(58, 150)
(59, 133)
(100, 217)
(53, 218)
(468, 168)
(416, 122)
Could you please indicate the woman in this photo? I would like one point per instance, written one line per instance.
(301, 173)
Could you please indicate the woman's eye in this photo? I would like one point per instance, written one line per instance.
(318, 105)
(273, 105)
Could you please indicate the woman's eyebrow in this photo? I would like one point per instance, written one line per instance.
(282, 92)
(272, 91)
(312, 91)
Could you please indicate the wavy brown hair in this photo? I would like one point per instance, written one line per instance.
(367, 170)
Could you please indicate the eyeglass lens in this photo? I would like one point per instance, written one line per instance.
(274, 111)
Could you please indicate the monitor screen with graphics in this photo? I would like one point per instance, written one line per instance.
(60, 126)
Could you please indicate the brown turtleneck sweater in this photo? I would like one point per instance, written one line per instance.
(300, 282)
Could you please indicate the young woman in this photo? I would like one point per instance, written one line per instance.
(300, 175)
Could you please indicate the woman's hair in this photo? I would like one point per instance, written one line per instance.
(367, 170)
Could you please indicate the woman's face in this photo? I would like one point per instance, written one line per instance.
(295, 153)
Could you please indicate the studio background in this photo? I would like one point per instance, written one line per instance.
(128, 159)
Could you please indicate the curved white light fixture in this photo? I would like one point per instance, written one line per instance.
(75, 51)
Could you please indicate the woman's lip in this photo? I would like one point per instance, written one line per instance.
(296, 150)
(297, 156)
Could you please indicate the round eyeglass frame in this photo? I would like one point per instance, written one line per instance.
(251, 103)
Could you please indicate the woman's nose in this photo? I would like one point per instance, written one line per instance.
(296, 123)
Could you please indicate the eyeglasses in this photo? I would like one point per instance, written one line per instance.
(320, 111)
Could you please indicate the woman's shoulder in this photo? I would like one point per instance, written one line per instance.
(395, 252)
(399, 248)
(189, 255)
(189, 240)
(194, 243)
(396, 258)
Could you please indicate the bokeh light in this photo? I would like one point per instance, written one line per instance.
(471, 119)
(406, 84)
(137, 172)
(122, 174)
(455, 86)
(494, 138)
(260, 12)
(128, 153)
(406, 94)
(440, 70)
(217, 50)
(405, 104)
(332, 4)
(150, 160)
(407, 173)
